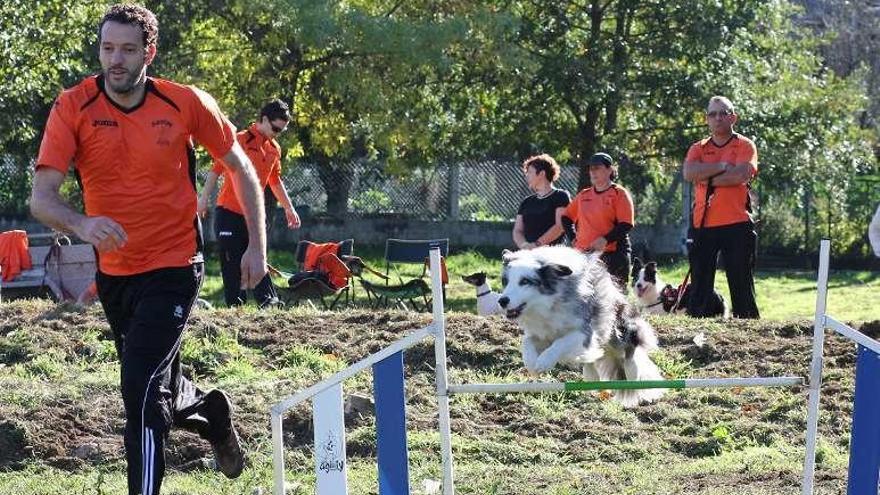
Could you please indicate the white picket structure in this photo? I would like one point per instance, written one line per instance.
(327, 394)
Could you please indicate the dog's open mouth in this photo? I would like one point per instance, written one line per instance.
(640, 290)
(513, 313)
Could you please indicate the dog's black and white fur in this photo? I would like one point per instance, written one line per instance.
(649, 287)
(487, 299)
(571, 312)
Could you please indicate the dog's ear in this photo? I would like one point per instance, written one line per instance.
(555, 270)
(507, 256)
(637, 265)
(651, 267)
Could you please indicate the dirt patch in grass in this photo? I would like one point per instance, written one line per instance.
(583, 428)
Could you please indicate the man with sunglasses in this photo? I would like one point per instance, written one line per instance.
(259, 143)
(721, 168)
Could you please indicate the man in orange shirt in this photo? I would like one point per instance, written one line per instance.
(128, 139)
(721, 168)
(259, 143)
(603, 216)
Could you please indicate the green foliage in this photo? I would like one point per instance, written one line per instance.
(371, 201)
(45, 49)
(415, 83)
(476, 207)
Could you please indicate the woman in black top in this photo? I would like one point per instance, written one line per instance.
(538, 220)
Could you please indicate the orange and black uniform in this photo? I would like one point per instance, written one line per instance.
(136, 166)
(229, 222)
(609, 214)
(722, 222)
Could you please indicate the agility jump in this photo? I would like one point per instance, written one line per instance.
(387, 365)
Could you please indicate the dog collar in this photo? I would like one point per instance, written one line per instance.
(655, 304)
(481, 294)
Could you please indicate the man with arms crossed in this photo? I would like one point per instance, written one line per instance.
(128, 138)
(721, 167)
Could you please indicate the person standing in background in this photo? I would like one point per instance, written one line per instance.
(603, 215)
(721, 168)
(538, 220)
(258, 141)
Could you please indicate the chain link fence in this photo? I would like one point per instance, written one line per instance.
(469, 190)
(492, 190)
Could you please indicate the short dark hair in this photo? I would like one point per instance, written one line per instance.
(543, 163)
(133, 14)
(274, 110)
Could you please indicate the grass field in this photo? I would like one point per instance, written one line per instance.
(61, 420)
(781, 294)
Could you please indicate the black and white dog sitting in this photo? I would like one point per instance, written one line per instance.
(657, 297)
(571, 312)
(487, 299)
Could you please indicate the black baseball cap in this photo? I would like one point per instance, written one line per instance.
(600, 159)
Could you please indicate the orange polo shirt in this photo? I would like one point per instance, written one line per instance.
(727, 205)
(264, 153)
(596, 213)
(137, 166)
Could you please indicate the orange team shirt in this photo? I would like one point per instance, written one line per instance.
(727, 205)
(596, 213)
(264, 153)
(136, 166)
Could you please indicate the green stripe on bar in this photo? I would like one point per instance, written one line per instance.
(624, 385)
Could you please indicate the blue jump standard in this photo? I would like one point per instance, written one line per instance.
(392, 453)
(864, 454)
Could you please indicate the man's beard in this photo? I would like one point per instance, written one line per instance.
(126, 86)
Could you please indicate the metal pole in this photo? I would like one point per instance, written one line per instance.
(278, 452)
(439, 325)
(535, 387)
(402, 344)
(816, 368)
(852, 334)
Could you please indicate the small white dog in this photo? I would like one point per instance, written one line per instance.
(487, 299)
(571, 312)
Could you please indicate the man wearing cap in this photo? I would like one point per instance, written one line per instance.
(603, 216)
(721, 167)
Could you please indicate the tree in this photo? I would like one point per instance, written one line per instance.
(44, 50)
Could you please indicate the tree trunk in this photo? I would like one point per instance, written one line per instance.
(337, 179)
(589, 142)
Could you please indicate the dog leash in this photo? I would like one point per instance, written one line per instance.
(650, 305)
(709, 190)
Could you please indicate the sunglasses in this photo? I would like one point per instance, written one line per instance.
(276, 129)
(719, 113)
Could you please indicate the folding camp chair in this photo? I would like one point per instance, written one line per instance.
(416, 291)
(322, 275)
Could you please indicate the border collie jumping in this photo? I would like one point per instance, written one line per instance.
(487, 299)
(571, 312)
(657, 297)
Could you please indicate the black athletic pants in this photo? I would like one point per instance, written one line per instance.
(737, 244)
(618, 263)
(232, 241)
(147, 313)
